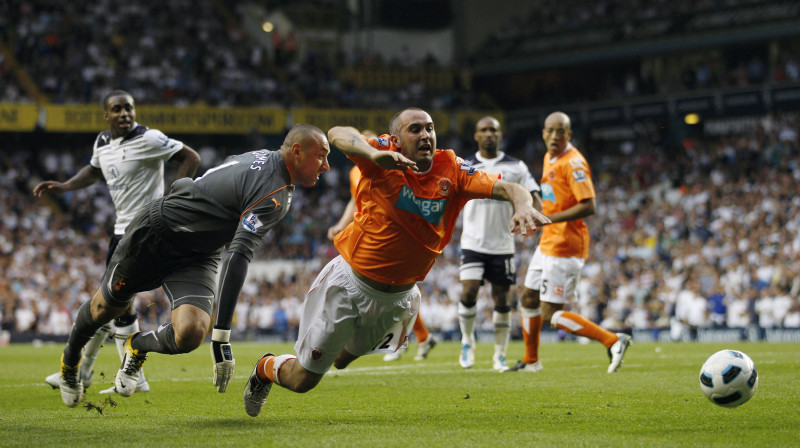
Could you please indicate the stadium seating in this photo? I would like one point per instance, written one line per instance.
(691, 234)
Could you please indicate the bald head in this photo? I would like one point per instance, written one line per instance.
(559, 118)
(305, 151)
(414, 136)
(557, 133)
(304, 134)
(398, 119)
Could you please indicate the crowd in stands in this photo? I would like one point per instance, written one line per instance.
(700, 236)
(78, 51)
(552, 28)
(553, 16)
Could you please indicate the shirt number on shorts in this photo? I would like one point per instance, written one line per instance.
(383, 345)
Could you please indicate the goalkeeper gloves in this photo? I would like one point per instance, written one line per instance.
(222, 355)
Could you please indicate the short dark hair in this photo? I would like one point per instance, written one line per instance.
(486, 118)
(114, 93)
(395, 122)
(300, 133)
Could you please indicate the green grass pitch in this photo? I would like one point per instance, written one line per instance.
(654, 400)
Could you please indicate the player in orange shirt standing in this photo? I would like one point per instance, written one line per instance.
(567, 197)
(366, 299)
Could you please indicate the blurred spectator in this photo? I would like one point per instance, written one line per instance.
(726, 239)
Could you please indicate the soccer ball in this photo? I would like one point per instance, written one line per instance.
(729, 378)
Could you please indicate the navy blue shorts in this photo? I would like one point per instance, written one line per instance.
(497, 269)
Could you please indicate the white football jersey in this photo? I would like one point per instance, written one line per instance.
(486, 221)
(133, 167)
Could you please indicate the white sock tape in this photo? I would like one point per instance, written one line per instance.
(220, 335)
(276, 366)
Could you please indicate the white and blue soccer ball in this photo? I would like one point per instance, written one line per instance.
(729, 378)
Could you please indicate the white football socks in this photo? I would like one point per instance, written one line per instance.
(466, 321)
(502, 332)
(92, 348)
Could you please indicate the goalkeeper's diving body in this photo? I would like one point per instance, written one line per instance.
(366, 299)
(176, 242)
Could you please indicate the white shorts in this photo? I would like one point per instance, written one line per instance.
(342, 312)
(556, 278)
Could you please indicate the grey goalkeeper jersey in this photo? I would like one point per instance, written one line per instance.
(236, 202)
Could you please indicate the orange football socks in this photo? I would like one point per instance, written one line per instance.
(269, 368)
(579, 325)
(531, 328)
(264, 370)
(420, 330)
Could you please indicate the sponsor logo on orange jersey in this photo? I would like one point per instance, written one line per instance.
(430, 210)
(445, 185)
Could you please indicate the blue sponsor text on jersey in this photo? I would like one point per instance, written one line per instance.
(430, 210)
(547, 193)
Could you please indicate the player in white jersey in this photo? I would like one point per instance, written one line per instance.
(487, 254)
(130, 158)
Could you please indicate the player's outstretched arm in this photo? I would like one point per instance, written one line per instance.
(580, 210)
(350, 142)
(234, 271)
(87, 175)
(526, 218)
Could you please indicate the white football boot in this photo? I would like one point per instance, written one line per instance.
(423, 348)
(617, 351)
(128, 375)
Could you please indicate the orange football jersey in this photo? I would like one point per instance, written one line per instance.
(566, 181)
(406, 218)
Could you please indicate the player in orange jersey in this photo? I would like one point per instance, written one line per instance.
(567, 197)
(366, 299)
(425, 340)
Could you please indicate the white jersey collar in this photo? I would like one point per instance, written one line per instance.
(500, 155)
(135, 125)
(421, 173)
(568, 149)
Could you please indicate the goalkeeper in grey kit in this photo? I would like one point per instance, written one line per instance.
(176, 242)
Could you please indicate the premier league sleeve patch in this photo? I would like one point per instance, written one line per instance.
(251, 223)
(579, 175)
